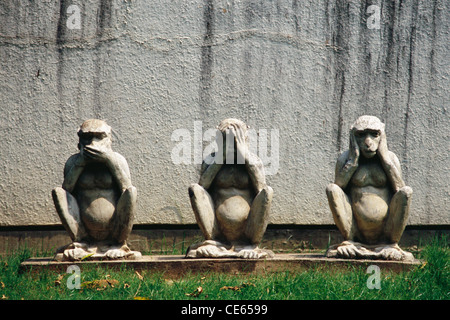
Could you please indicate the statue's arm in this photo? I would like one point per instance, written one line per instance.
(345, 168)
(118, 166)
(72, 171)
(347, 162)
(255, 169)
(208, 172)
(390, 164)
(253, 163)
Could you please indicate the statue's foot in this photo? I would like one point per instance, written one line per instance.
(209, 249)
(115, 254)
(123, 252)
(394, 252)
(77, 251)
(216, 249)
(348, 250)
(74, 251)
(76, 254)
(355, 250)
(252, 252)
(249, 254)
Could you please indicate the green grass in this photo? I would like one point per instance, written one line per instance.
(430, 281)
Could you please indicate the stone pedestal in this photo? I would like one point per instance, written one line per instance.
(175, 266)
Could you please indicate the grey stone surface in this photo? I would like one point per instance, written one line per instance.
(305, 68)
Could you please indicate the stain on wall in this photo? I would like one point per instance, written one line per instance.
(305, 68)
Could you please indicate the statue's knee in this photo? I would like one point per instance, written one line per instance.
(128, 197)
(191, 191)
(268, 191)
(332, 189)
(132, 191)
(57, 193)
(194, 189)
(61, 197)
(58, 190)
(406, 191)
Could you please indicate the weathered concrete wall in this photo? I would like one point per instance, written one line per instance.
(305, 68)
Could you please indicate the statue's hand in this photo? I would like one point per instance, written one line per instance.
(354, 150)
(383, 151)
(228, 150)
(97, 154)
(241, 146)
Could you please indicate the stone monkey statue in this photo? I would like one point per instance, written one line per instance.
(96, 203)
(231, 201)
(369, 199)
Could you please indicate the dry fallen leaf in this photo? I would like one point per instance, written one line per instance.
(99, 284)
(112, 282)
(350, 288)
(95, 284)
(139, 276)
(2, 285)
(58, 281)
(237, 288)
(4, 297)
(87, 256)
(169, 282)
(196, 293)
(247, 284)
(141, 298)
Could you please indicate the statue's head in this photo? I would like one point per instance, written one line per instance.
(231, 122)
(226, 128)
(94, 132)
(367, 131)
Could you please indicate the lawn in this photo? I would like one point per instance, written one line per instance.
(429, 281)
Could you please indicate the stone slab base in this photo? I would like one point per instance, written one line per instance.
(176, 266)
(176, 239)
